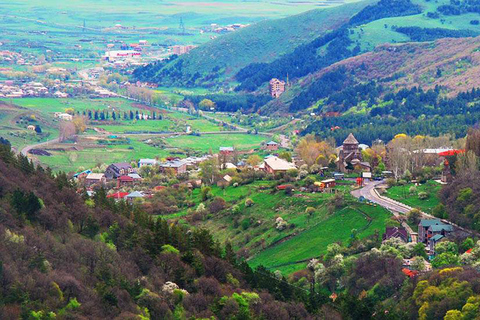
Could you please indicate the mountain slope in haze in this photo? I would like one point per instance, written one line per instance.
(262, 42)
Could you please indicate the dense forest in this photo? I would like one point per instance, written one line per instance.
(385, 113)
(458, 7)
(430, 34)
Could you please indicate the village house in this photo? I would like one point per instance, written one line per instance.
(134, 195)
(116, 170)
(276, 87)
(178, 166)
(123, 181)
(63, 116)
(95, 178)
(31, 128)
(226, 151)
(276, 165)
(82, 175)
(395, 232)
(428, 228)
(271, 146)
(117, 195)
(325, 184)
(230, 165)
(147, 162)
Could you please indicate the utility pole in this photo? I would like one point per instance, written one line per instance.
(84, 25)
(182, 26)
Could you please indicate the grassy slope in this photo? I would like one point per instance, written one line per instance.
(375, 32)
(266, 40)
(402, 194)
(314, 241)
(309, 236)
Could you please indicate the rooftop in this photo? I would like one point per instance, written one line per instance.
(430, 222)
(441, 227)
(436, 237)
(350, 139)
(95, 176)
(277, 163)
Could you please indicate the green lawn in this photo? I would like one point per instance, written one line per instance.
(402, 194)
(213, 142)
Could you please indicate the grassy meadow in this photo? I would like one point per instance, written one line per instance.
(403, 195)
(380, 31)
(207, 142)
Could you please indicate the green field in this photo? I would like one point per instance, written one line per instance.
(380, 31)
(72, 160)
(72, 29)
(51, 105)
(403, 195)
(205, 143)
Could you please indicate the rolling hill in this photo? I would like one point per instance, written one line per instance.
(262, 42)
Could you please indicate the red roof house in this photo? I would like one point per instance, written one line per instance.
(118, 195)
(410, 273)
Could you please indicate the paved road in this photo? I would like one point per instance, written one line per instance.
(26, 149)
(369, 193)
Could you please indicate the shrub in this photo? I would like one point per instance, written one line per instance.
(310, 211)
(289, 190)
(414, 216)
(412, 190)
(302, 174)
(249, 202)
(217, 205)
(170, 249)
(422, 195)
(235, 209)
(391, 182)
(245, 224)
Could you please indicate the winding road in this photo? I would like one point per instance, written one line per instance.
(397, 209)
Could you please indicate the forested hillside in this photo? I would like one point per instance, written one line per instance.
(265, 41)
(413, 88)
(67, 257)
